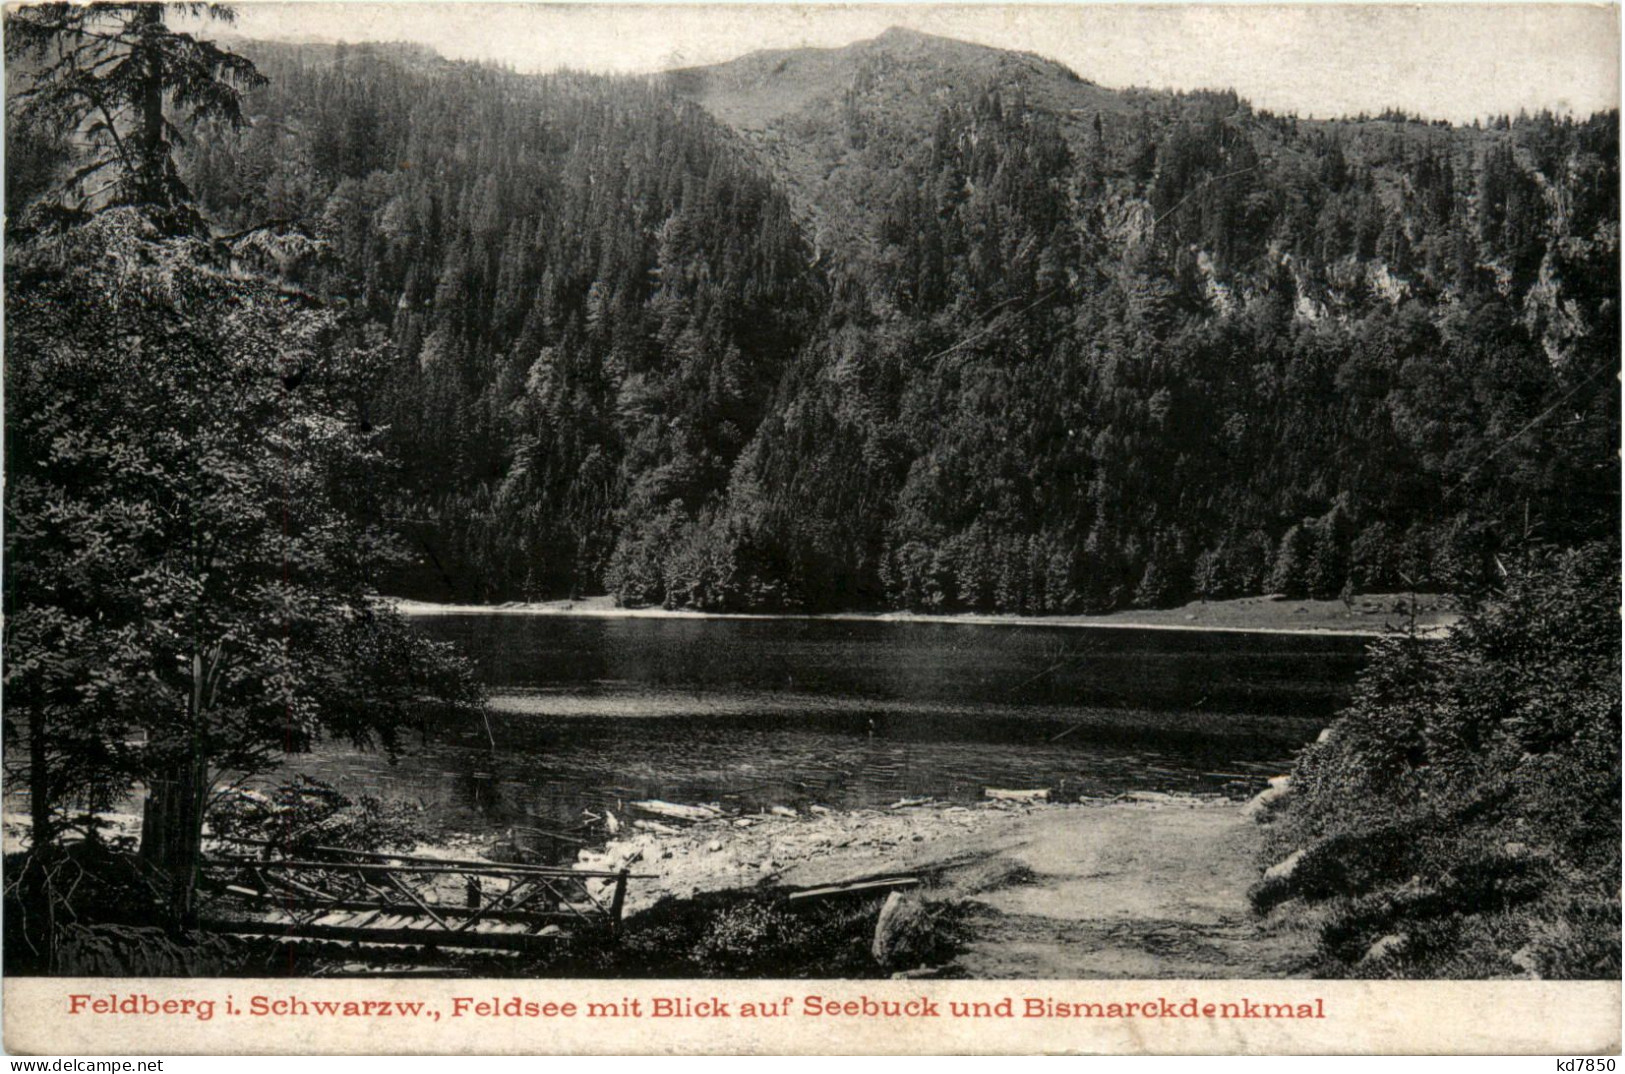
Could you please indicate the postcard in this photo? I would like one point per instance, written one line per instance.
(770, 528)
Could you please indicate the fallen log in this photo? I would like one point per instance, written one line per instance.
(548, 833)
(856, 887)
(406, 912)
(412, 937)
(676, 811)
(999, 795)
(448, 866)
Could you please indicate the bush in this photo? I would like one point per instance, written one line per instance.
(1467, 803)
(305, 813)
(129, 951)
(745, 934)
(91, 909)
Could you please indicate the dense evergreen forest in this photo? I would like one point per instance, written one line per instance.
(928, 325)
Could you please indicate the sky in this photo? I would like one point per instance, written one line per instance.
(1450, 61)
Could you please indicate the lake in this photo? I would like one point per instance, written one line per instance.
(591, 712)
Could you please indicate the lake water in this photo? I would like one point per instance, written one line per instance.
(591, 712)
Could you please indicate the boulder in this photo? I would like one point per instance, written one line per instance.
(1278, 788)
(905, 932)
(1390, 945)
(1283, 869)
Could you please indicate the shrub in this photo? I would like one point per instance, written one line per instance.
(304, 813)
(1468, 800)
(129, 951)
(91, 909)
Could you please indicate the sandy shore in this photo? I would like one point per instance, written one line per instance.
(1143, 886)
(1369, 615)
(1146, 886)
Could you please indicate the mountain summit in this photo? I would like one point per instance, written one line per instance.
(810, 112)
(764, 89)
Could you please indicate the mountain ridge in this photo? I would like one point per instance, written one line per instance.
(780, 101)
(806, 75)
(787, 106)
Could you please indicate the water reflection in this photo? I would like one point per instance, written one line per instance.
(592, 713)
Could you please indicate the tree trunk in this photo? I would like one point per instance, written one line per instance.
(172, 819)
(152, 155)
(172, 836)
(35, 893)
(43, 831)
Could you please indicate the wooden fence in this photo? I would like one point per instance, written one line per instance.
(335, 894)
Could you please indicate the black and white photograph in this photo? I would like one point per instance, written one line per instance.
(775, 492)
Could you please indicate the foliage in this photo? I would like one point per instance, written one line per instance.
(127, 951)
(102, 75)
(190, 541)
(102, 916)
(739, 935)
(591, 293)
(191, 534)
(305, 813)
(1468, 801)
(96, 883)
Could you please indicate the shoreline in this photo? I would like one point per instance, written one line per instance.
(1243, 615)
(1141, 885)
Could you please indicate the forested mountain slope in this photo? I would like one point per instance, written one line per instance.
(920, 323)
(592, 293)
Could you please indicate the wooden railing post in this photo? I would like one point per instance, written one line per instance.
(618, 903)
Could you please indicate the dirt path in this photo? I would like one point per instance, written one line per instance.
(1153, 888)
(1130, 892)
